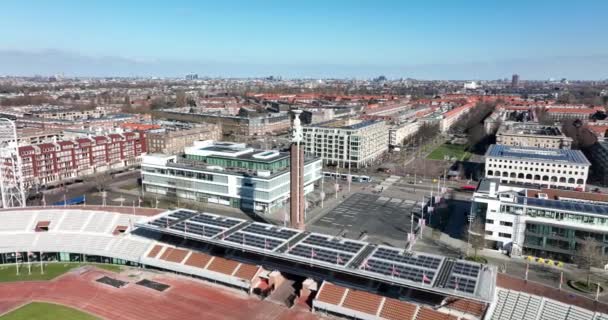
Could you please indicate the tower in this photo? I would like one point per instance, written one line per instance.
(12, 188)
(515, 81)
(296, 183)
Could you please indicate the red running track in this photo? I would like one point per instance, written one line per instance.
(186, 299)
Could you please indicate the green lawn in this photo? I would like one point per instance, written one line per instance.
(46, 311)
(8, 273)
(452, 150)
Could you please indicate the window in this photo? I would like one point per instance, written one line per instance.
(489, 221)
(504, 235)
(506, 223)
(489, 233)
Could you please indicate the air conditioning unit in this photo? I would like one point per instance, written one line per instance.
(543, 196)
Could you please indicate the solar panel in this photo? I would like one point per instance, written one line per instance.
(181, 214)
(206, 231)
(395, 255)
(162, 222)
(270, 231)
(216, 221)
(325, 242)
(397, 271)
(324, 255)
(254, 241)
(461, 284)
(466, 269)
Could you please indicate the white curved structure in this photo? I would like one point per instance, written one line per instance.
(107, 234)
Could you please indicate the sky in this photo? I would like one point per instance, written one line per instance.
(429, 39)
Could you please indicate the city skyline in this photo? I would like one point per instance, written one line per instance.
(434, 40)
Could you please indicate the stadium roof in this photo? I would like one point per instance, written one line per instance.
(537, 154)
(420, 271)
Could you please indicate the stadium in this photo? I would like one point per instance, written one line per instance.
(191, 265)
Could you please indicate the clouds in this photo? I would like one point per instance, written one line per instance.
(49, 62)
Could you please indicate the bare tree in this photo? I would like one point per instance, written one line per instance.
(476, 234)
(180, 99)
(589, 254)
(102, 181)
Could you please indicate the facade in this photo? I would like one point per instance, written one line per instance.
(522, 134)
(347, 142)
(53, 163)
(71, 115)
(450, 118)
(226, 173)
(571, 112)
(398, 134)
(175, 141)
(598, 156)
(547, 168)
(545, 222)
(252, 125)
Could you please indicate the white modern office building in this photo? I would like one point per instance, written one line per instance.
(547, 223)
(226, 173)
(348, 142)
(539, 167)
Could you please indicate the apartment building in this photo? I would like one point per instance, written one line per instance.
(397, 134)
(175, 140)
(547, 168)
(250, 125)
(227, 173)
(349, 142)
(524, 134)
(53, 163)
(547, 223)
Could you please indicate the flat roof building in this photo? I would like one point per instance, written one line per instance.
(227, 173)
(347, 142)
(547, 223)
(548, 168)
(523, 134)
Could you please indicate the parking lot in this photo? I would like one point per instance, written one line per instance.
(385, 220)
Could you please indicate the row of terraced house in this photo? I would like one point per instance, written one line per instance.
(54, 163)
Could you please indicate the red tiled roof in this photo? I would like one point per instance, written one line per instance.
(331, 293)
(394, 309)
(246, 271)
(223, 265)
(430, 314)
(175, 255)
(198, 260)
(154, 252)
(362, 301)
(475, 308)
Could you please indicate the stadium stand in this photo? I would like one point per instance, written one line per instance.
(514, 305)
(358, 304)
(91, 232)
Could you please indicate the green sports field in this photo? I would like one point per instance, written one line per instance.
(46, 311)
(449, 150)
(8, 273)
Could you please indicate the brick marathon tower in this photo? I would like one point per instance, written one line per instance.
(296, 184)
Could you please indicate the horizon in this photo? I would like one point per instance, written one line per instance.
(432, 40)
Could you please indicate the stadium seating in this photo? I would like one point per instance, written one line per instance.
(518, 305)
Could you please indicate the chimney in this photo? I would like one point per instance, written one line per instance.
(296, 182)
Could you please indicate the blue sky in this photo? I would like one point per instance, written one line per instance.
(321, 38)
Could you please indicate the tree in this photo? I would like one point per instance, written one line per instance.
(589, 254)
(180, 99)
(102, 181)
(476, 234)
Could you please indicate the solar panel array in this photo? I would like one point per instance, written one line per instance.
(250, 240)
(374, 260)
(262, 236)
(166, 220)
(464, 276)
(397, 263)
(326, 249)
(565, 205)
